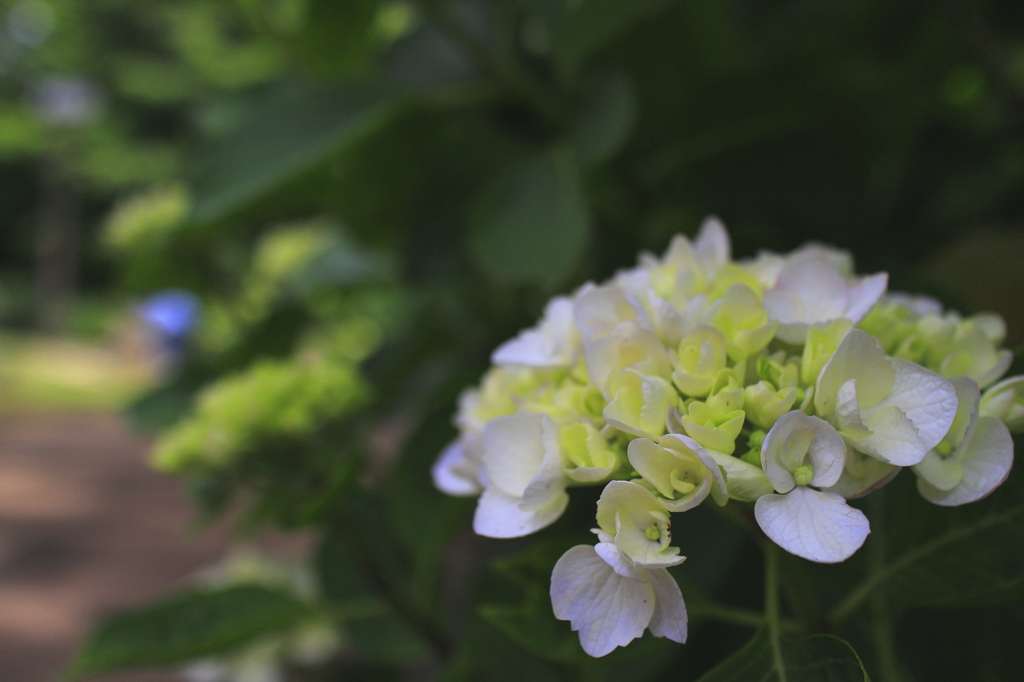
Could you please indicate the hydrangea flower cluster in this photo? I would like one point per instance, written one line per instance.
(785, 381)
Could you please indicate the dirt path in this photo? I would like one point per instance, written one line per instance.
(86, 528)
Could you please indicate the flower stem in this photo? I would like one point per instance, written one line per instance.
(771, 607)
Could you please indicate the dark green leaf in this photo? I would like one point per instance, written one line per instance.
(608, 120)
(188, 626)
(532, 224)
(337, 37)
(954, 555)
(593, 25)
(291, 128)
(821, 658)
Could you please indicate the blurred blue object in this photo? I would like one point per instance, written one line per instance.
(172, 315)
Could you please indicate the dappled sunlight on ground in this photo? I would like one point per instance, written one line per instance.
(86, 528)
(41, 373)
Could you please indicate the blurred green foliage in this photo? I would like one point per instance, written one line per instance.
(368, 196)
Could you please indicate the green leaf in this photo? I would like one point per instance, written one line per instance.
(187, 627)
(821, 657)
(290, 129)
(594, 25)
(952, 555)
(608, 120)
(338, 36)
(532, 224)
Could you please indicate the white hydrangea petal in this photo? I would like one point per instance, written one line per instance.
(513, 450)
(861, 475)
(814, 525)
(968, 397)
(986, 459)
(798, 439)
(792, 332)
(927, 399)
(598, 309)
(766, 267)
(712, 246)
(499, 515)
(617, 559)
(554, 343)
(919, 305)
(940, 473)
(864, 294)
(627, 345)
(857, 357)
(454, 473)
(669, 618)
(608, 610)
(1003, 361)
(893, 438)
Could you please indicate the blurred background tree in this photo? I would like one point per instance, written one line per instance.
(368, 196)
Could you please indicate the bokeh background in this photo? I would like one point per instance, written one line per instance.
(321, 216)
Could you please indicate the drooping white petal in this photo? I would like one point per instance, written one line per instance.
(986, 458)
(810, 524)
(554, 343)
(499, 515)
(617, 559)
(454, 473)
(608, 610)
(669, 619)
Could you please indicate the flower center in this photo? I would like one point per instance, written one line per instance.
(803, 474)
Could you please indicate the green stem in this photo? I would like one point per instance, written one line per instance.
(881, 623)
(726, 614)
(771, 607)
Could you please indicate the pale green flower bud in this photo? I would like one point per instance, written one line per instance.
(727, 395)
(821, 344)
(680, 471)
(731, 274)
(1005, 401)
(585, 447)
(764, 405)
(779, 370)
(501, 392)
(628, 345)
(743, 322)
(746, 481)
(713, 429)
(974, 355)
(698, 360)
(640, 403)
